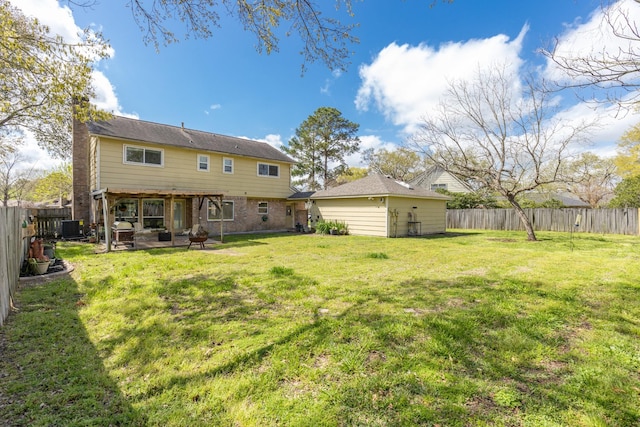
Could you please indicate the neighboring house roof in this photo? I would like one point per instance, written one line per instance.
(142, 131)
(567, 199)
(431, 175)
(377, 185)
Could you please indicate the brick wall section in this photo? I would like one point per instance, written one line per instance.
(81, 207)
(246, 216)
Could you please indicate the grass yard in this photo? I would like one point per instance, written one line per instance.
(468, 329)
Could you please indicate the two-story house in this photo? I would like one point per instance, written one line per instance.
(171, 177)
(436, 178)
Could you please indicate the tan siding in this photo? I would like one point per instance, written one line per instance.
(363, 216)
(180, 172)
(452, 183)
(431, 214)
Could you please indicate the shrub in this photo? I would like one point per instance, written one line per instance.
(326, 227)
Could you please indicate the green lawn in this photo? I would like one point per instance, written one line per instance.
(466, 329)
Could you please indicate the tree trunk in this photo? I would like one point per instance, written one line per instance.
(531, 235)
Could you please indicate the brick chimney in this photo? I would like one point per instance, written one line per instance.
(81, 206)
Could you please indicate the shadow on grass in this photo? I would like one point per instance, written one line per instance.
(486, 349)
(419, 352)
(51, 373)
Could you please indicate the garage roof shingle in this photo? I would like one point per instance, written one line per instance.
(377, 185)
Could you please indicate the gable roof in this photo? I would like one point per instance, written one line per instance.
(428, 177)
(567, 199)
(156, 133)
(377, 185)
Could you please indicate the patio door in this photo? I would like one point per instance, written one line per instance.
(178, 215)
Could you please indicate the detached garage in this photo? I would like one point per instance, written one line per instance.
(381, 206)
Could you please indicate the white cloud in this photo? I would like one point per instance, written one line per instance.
(405, 82)
(271, 139)
(611, 124)
(367, 142)
(600, 36)
(60, 21)
(328, 83)
(58, 18)
(213, 107)
(34, 157)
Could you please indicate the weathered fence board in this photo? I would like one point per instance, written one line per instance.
(48, 222)
(605, 221)
(11, 256)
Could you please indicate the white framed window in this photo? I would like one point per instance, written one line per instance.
(263, 208)
(215, 214)
(438, 187)
(143, 156)
(227, 165)
(203, 162)
(266, 169)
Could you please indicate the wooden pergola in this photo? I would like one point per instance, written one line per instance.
(108, 197)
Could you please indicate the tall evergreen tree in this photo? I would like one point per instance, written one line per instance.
(321, 144)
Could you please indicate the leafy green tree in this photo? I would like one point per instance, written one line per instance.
(402, 163)
(351, 174)
(40, 75)
(591, 178)
(320, 146)
(54, 185)
(473, 200)
(627, 160)
(627, 193)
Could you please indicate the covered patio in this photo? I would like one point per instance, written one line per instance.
(154, 223)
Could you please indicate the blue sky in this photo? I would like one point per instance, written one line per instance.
(407, 53)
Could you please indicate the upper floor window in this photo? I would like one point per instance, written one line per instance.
(203, 163)
(143, 156)
(227, 165)
(438, 187)
(265, 169)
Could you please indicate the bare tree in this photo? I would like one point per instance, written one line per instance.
(501, 133)
(14, 181)
(612, 58)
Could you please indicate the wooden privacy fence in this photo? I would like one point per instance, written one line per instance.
(12, 250)
(48, 222)
(606, 221)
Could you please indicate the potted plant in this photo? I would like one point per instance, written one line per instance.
(39, 265)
